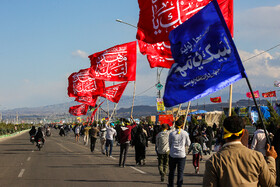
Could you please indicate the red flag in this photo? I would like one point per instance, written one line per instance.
(256, 94)
(158, 61)
(269, 94)
(166, 118)
(83, 83)
(89, 100)
(158, 54)
(114, 93)
(117, 63)
(78, 110)
(93, 113)
(216, 99)
(158, 18)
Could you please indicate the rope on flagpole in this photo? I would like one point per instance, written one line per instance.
(133, 98)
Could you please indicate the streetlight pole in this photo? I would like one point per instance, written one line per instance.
(158, 85)
(121, 21)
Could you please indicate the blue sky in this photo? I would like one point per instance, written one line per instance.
(43, 42)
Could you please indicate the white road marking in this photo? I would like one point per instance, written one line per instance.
(138, 170)
(28, 158)
(21, 173)
(65, 147)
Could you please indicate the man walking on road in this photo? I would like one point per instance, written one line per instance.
(259, 140)
(125, 138)
(86, 134)
(93, 136)
(235, 164)
(178, 140)
(110, 134)
(162, 149)
(102, 136)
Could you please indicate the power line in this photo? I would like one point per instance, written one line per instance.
(261, 53)
(145, 90)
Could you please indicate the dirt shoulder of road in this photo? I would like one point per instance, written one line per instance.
(9, 136)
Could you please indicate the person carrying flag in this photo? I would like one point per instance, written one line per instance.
(237, 165)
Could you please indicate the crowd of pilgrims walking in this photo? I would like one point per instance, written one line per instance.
(172, 144)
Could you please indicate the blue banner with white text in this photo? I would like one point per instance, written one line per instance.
(206, 59)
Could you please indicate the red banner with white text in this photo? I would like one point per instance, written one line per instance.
(89, 100)
(93, 113)
(114, 93)
(117, 63)
(83, 83)
(78, 110)
(158, 18)
(269, 94)
(256, 94)
(158, 54)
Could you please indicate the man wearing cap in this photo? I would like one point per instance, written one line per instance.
(235, 164)
(111, 133)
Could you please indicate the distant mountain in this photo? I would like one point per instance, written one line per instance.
(143, 106)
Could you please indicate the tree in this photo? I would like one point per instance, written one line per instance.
(194, 120)
(274, 119)
(247, 121)
(223, 117)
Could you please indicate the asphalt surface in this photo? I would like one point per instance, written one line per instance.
(64, 162)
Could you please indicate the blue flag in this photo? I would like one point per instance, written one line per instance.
(206, 59)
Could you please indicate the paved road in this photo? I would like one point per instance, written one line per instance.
(63, 162)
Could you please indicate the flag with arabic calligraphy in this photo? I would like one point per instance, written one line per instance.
(256, 94)
(158, 18)
(89, 100)
(269, 94)
(216, 99)
(117, 63)
(78, 110)
(83, 83)
(93, 113)
(206, 59)
(114, 93)
(158, 54)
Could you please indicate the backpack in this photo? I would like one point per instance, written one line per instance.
(77, 130)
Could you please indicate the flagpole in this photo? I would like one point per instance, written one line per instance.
(97, 110)
(133, 98)
(113, 112)
(187, 112)
(230, 100)
(108, 109)
(258, 110)
(179, 108)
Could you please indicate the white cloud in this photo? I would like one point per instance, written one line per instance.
(262, 65)
(80, 53)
